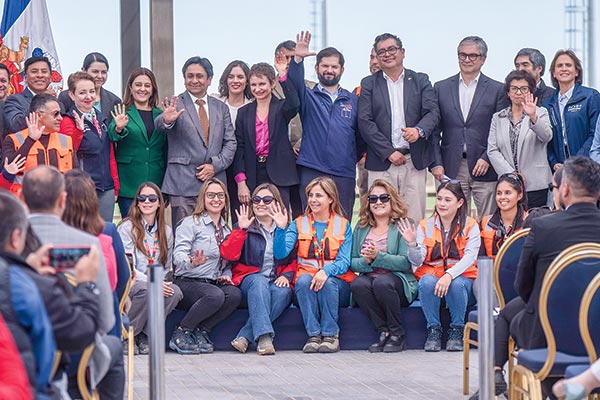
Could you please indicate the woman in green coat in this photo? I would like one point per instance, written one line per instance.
(141, 150)
(380, 254)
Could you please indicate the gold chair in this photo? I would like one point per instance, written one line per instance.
(82, 369)
(502, 293)
(526, 383)
(128, 333)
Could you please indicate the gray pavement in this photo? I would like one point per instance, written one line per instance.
(293, 375)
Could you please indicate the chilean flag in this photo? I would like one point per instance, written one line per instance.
(25, 32)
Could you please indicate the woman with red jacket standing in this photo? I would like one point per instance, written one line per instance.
(88, 128)
(265, 281)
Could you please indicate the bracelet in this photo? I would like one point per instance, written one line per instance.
(412, 244)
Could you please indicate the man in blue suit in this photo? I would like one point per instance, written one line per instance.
(467, 102)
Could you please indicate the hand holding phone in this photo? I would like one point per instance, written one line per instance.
(65, 257)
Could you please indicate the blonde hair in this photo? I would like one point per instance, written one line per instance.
(330, 189)
(201, 207)
(398, 206)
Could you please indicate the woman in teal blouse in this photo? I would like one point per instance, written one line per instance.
(141, 150)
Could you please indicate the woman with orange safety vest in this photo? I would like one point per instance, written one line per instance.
(445, 247)
(322, 283)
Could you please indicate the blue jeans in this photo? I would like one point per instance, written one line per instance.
(124, 205)
(320, 309)
(266, 302)
(460, 292)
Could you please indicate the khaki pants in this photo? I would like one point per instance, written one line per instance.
(482, 192)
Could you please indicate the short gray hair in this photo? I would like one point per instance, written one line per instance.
(13, 216)
(535, 56)
(477, 41)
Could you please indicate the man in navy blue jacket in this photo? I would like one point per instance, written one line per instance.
(329, 123)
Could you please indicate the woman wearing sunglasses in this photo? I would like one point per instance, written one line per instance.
(380, 255)
(204, 277)
(148, 240)
(519, 136)
(324, 241)
(445, 247)
(265, 281)
(264, 153)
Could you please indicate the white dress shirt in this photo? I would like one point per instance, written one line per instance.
(466, 93)
(205, 98)
(396, 93)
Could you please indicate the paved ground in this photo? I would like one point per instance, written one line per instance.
(294, 375)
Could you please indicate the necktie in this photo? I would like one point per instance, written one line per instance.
(203, 119)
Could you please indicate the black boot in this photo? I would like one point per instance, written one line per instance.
(377, 347)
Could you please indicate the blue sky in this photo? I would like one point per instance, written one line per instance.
(249, 30)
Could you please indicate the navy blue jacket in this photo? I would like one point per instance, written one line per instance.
(581, 113)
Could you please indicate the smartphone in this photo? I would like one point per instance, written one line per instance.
(65, 257)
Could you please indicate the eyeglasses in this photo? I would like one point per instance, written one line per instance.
(152, 198)
(552, 186)
(471, 56)
(384, 198)
(517, 89)
(265, 199)
(390, 50)
(212, 195)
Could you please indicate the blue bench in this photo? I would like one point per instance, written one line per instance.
(356, 330)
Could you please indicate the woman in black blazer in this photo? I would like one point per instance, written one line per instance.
(264, 153)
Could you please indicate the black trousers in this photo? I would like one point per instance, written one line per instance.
(537, 198)
(502, 329)
(382, 298)
(206, 304)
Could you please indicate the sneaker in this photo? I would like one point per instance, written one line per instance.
(330, 344)
(312, 344)
(394, 344)
(501, 388)
(126, 348)
(184, 342)
(434, 339)
(377, 347)
(455, 339)
(204, 343)
(265, 345)
(240, 343)
(141, 341)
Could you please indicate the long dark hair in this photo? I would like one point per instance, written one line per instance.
(460, 219)
(517, 182)
(224, 88)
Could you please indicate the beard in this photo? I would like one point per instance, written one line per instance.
(329, 82)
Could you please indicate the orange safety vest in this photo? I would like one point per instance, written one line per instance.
(307, 261)
(488, 234)
(58, 142)
(436, 262)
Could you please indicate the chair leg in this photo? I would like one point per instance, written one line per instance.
(466, 348)
(511, 361)
(130, 364)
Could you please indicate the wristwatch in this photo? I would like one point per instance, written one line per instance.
(91, 286)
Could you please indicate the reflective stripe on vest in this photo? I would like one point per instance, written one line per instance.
(305, 228)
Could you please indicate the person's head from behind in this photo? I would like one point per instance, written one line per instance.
(532, 61)
(329, 66)
(262, 197)
(510, 193)
(451, 205)
(580, 181)
(234, 80)
(213, 199)
(554, 188)
(517, 85)
(82, 210)
(323, 197)
(534, 214)
(141, 89)
(262, 81)
(82, 91)
(44, 191)
(38, 74)
(13, 229)
(381, 201)
(46, 108)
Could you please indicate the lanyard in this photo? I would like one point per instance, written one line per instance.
(319, 246)
(151, 255)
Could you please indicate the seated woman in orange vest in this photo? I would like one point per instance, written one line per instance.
(40, 143)
(380, 254)
(324, 240)
(508, 218)
(265, 281)
(445, 247)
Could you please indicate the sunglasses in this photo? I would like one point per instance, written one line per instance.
(384, 198)
(212, 195)
(152, 198)
(552, 186)
(265, 199)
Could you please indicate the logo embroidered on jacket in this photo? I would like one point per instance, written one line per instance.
(346, 110)
(574, 108)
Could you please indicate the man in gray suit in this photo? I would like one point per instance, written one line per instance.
(200, 135)
(45, 196)
(467, 102)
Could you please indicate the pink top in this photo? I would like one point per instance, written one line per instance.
(380, 242)
(262, 136)
(106, 244)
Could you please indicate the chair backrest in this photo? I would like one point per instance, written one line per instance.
(589, 315)
(563, 287)
(505, 266)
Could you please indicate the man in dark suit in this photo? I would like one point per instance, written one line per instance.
(534, 62)
(397, 112)
(4, 82)
(37, 76)
(200, 136)
(467, 102)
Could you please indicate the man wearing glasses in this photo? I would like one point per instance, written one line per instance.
(397, 112)
(467, 102)
(40, 143)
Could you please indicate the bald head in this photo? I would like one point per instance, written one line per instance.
(42, 189)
